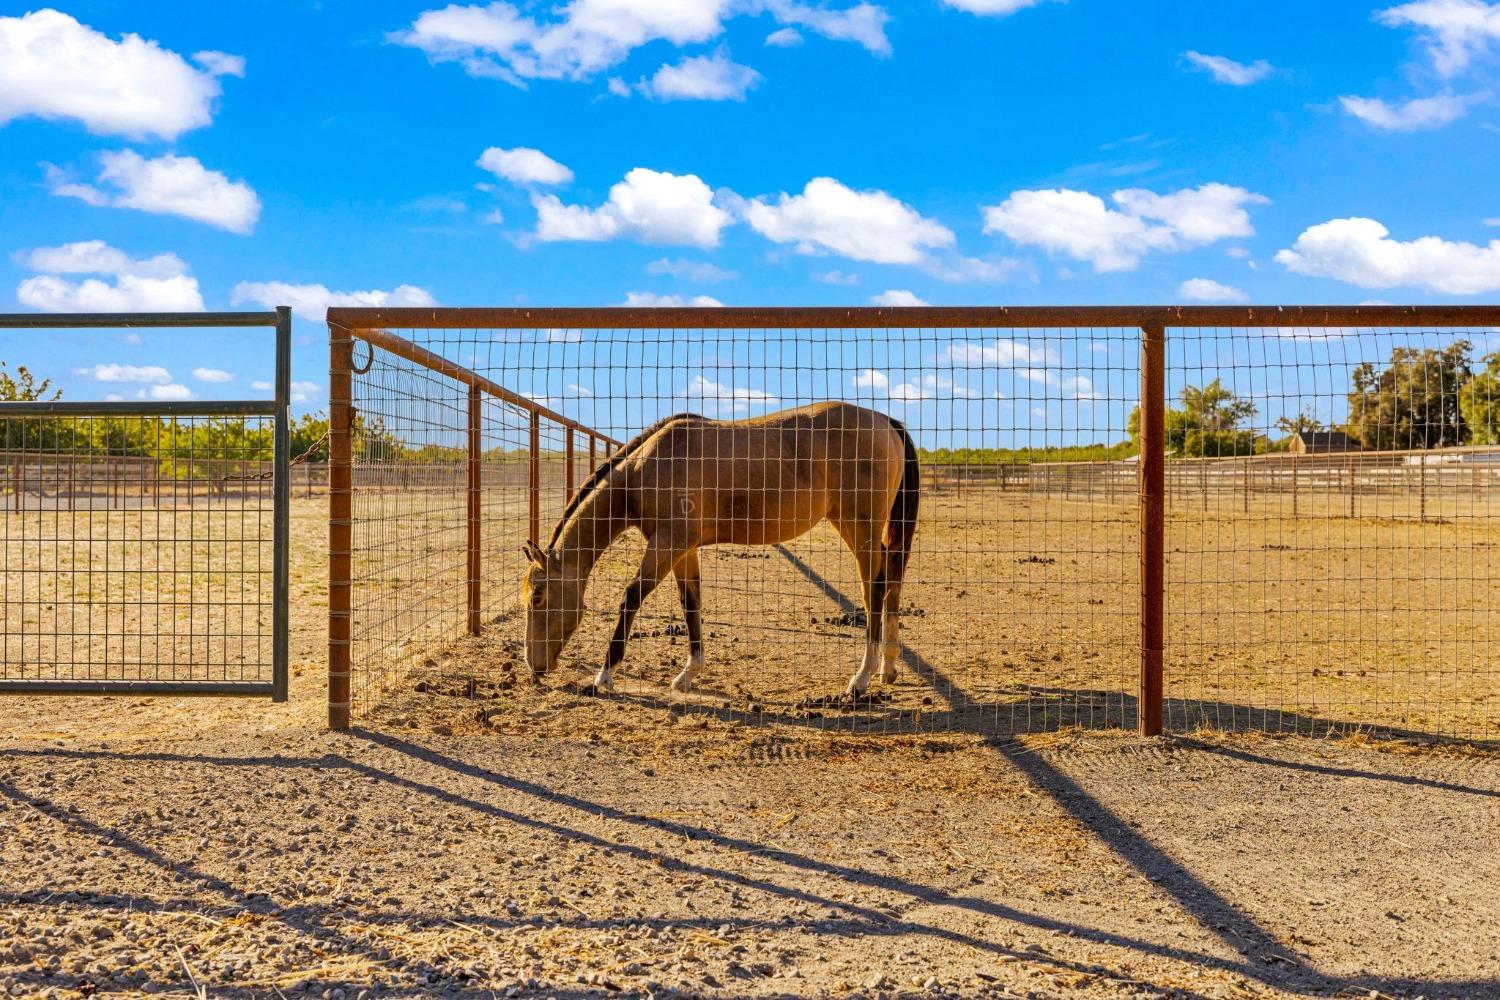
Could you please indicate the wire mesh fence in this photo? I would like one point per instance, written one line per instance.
(1024, 606)
(143, 544)
(1351, 577)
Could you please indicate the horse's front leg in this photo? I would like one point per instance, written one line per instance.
(690, 590)
(655, 565)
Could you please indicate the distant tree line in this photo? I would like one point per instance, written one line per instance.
(1424, 398)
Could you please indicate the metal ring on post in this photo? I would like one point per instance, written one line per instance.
(356, 369)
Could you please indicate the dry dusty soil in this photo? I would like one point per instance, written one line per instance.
(481, 837)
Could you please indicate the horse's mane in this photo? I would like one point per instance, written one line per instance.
(607, 466)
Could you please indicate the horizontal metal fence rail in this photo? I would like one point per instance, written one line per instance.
(146, 543)
(1211, 536)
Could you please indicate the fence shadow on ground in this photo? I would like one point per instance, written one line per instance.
(425, 771)
(324, 921)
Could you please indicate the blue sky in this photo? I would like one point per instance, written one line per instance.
(748, 151)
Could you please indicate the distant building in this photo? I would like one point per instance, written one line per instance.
(1322, 443)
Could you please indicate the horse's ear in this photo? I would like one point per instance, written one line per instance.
(532, 551)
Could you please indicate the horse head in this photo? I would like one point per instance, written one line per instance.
(553, 599)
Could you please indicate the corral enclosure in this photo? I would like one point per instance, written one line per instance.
(1302, 590)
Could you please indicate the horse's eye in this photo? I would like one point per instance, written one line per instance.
(538, 597)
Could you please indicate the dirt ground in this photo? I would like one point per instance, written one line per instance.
(478, 836)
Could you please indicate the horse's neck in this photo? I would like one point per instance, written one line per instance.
(597, 522)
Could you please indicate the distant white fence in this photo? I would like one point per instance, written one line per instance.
(1329, 483)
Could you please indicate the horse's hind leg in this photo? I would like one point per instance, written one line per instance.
(890, 629)
(894, 571)
(689, 589)
(869, 554)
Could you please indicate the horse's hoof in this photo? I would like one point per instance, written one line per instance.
(604, 682)
(682, 684)
(888, 677)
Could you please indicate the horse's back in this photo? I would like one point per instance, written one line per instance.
(771, 478)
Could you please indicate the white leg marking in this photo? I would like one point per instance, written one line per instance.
(890, 653)
(861, 679)
(683, 682)
(603, 680)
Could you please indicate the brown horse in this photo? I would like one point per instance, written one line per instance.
(688, 481)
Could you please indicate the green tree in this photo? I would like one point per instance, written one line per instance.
(25, 434)
(309, 430)
(23, 386)
(1414, 403)
(1214, 408)
(1208, 423)
(1304, 422)
(1479, 402)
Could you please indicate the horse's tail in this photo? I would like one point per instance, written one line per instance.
(902, 526)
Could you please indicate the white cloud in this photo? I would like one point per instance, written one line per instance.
(863, 23)
(1455, 30)
(1208, 290)
(862, 225)
(916, 391)
(1225, 70)
(1080, 225)
(157, 284)
(836, 278)
(168, 185)
(154, 374)
(1494, 221)
(1360, 252)
(1003, 353)
(718, 398)
(651, 299)
(302, 392)
(53, 67)
(1041, 376)
(220, 63)
(171, 392)
(784, 38)
(524, 165)
(312, 301)
(49, 293)
(212, 375)
(700, 271)
(897, 297)
(1080, 387)
(648, 206)
(702, 78)
(98, 257)
(499, 42)
(1410, 116)
(993, 8)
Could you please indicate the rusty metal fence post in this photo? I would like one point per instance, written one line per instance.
(475, 489)
(569, 459)
(340, 521)
(1153, 528)
(534, 478)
